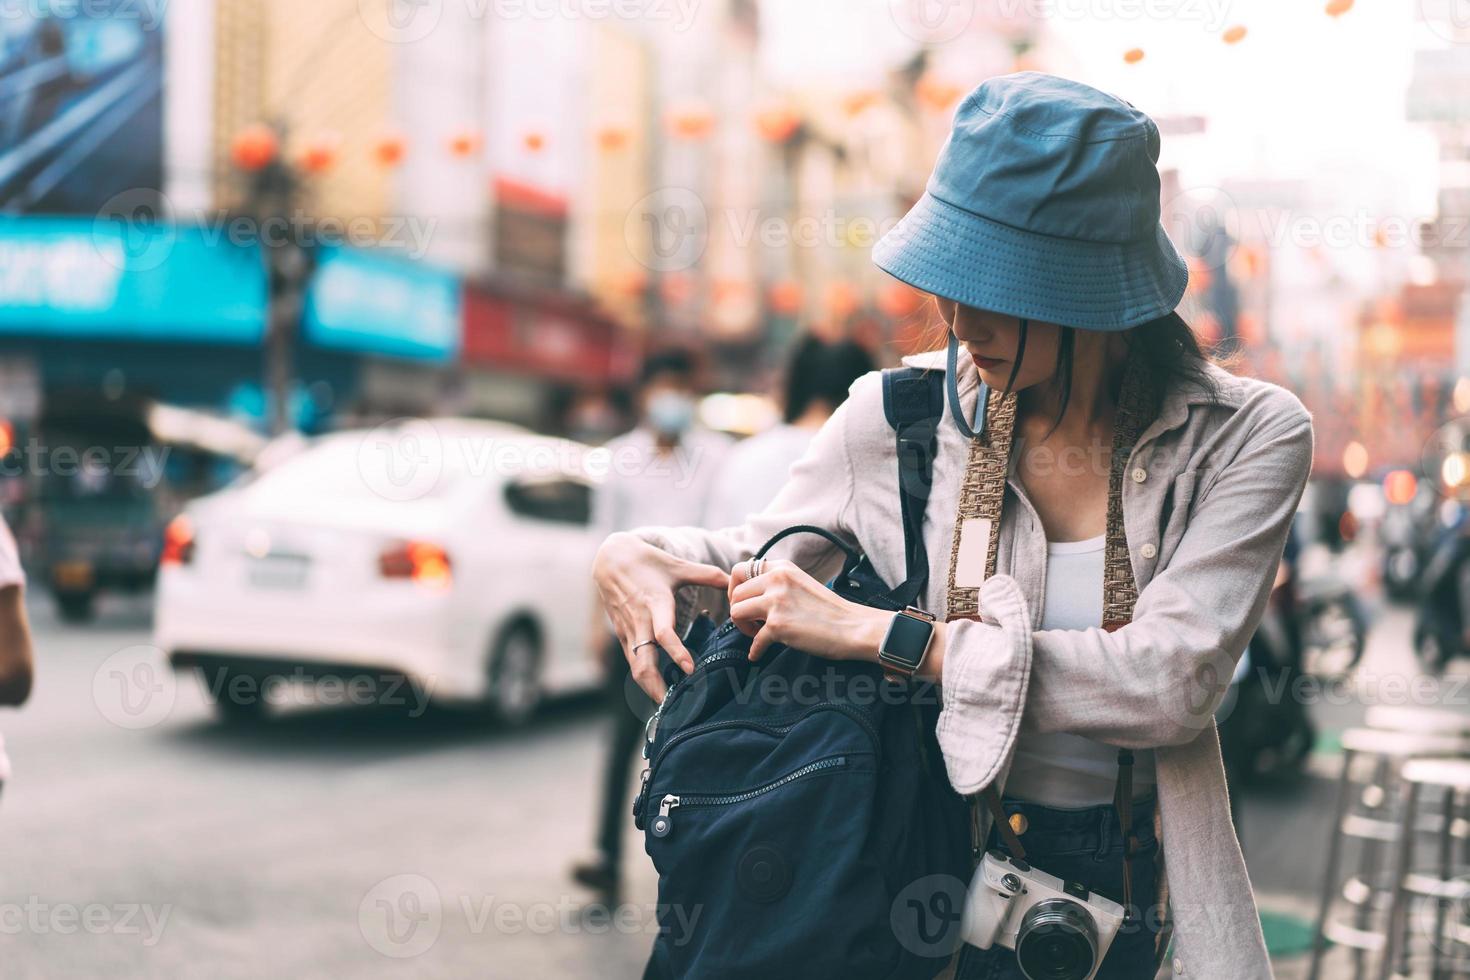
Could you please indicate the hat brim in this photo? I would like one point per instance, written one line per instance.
(962, 256)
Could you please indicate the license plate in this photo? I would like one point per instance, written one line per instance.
(278, 572)
(73, 574)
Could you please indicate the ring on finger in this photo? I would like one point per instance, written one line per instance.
(639, 646)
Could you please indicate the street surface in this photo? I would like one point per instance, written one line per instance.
(139, 837)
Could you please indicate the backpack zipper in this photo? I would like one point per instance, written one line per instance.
(663, 824)
(650, 728)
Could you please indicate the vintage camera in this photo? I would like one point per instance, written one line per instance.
(1059, 930)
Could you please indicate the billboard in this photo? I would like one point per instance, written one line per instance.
(81, 103)
(81, 277)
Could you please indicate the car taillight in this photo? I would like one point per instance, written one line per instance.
(416, 560)
(178, 542)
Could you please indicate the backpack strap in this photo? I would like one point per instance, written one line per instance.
(913, 403)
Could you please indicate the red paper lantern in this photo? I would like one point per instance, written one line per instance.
(936, 94)
(465, 144)
(254, 147)
(390, 150)
(898, 301)
(632, 284)
(777, 124)
(691, 122)
(842, 300)
(319, 155)
(785, 298)
(610, 139)
(857, 103)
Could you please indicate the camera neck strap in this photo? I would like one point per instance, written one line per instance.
(981, 498)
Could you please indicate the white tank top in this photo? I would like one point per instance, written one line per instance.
(1060, 770)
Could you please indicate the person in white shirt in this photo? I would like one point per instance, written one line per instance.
(664, 469)
(16, 668)
(817, 379)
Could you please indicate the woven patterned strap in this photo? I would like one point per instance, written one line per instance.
(1135, 412)
(983, 493)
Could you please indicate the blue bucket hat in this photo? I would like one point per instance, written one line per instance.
(1044, 205)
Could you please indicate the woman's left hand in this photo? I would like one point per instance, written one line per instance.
(783, 604)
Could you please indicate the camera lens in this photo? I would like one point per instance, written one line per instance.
(1057, 941)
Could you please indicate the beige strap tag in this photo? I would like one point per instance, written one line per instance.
(974, 549)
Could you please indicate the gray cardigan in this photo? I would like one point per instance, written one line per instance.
(1213, 485)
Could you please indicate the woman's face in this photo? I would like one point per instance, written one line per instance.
(992, 338)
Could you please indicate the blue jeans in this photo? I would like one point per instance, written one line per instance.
(1085, 846)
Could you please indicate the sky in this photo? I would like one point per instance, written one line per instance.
(1303, 97)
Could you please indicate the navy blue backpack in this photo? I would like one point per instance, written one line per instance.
(797, 809)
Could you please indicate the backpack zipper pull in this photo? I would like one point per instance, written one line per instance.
(650, 727)
(663, 824)
(642, 794)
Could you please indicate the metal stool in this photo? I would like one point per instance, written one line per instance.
(1453, 777)
(1365, 812)
(1417, 721)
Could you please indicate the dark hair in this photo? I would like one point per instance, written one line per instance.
(673, 362)
(823, 371)
(1171, 354)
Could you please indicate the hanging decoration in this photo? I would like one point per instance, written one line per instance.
(390, 150)
(254, 147)
(936, 94)
(785, 298)
(842, 300)
(320, 153)
(777, 124)
(611, 138)
(859, 102)
(465, 143)
(898, 301)
(692, 121)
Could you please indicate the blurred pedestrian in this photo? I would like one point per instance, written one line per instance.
(16, 668)
(662, 470)
(1441, 630)
(817, 380)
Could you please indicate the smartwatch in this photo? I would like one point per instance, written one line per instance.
(906, 643)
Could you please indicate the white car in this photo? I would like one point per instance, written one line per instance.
(448, 559)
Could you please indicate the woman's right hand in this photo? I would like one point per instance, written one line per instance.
(636, 582)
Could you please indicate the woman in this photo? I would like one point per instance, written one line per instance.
(1039, 239)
